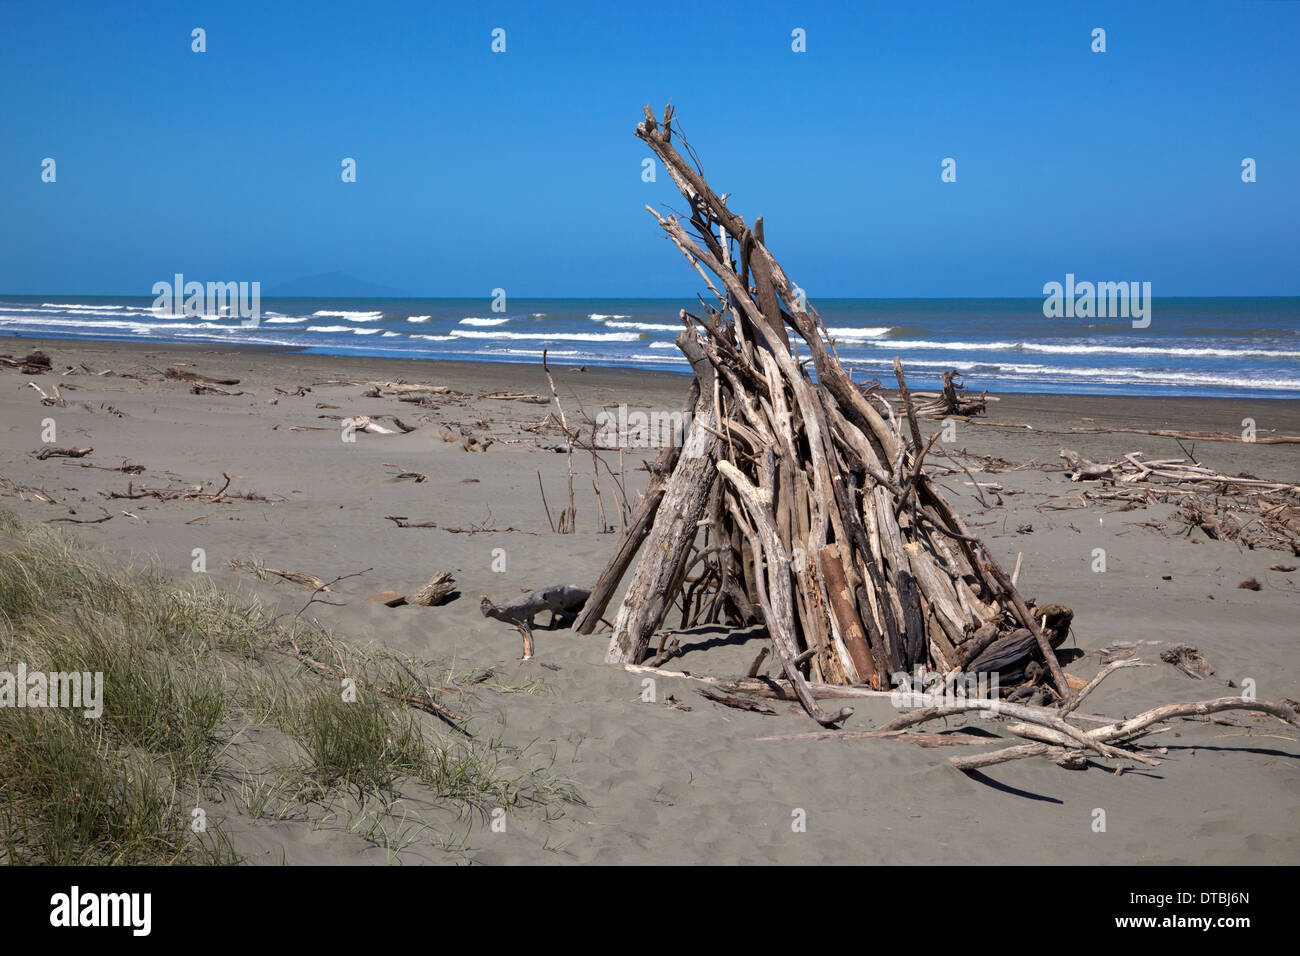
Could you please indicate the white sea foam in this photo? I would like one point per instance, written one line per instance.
(851, 333)
(329, 328)
(418, 318)
(663, 345)
(553, 353)
(475, 320)
(432, 338)
(550, 336)
(1017, 371)
(89, 311)
(45, 322)
(77, 305)
(286, 319)
(644, 326)
(389, 335)
(657, 359)
(350, 316)
(597, 317)
(904, 345)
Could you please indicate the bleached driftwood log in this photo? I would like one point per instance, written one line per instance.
(562, 600)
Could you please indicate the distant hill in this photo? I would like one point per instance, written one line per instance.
(334, 285)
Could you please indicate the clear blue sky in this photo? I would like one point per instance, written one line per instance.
(520, 170)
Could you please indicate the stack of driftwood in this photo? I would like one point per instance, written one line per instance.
(797, 498)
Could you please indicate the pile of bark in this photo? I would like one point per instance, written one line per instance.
(799, 500)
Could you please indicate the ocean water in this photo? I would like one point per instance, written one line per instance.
(1212, 347)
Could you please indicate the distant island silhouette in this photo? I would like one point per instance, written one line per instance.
(334, 285)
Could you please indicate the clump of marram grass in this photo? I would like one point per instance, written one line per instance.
(49, 570)
(181, 667)
(363, 743)
(71, 796)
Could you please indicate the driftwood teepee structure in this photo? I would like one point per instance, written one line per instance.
(799, 500)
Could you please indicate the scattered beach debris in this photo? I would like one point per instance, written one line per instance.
(106, 517)
(34, 363)
(1256, 512)
(505, 395)
(738, 703)
(1250, 584)
(1259, 439)
(52, 452)
(192, 493)
(309, 581)
(402, 522)
(54, 399)
(201, 388)
(180, 375)
(364, 423)
(401, 390)
(127, 467)
(1081, 468)
(402, 473)
(1187, 659)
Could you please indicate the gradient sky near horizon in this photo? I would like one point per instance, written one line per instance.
(520, 170)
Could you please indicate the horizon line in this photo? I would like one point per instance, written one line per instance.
(644, 298)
